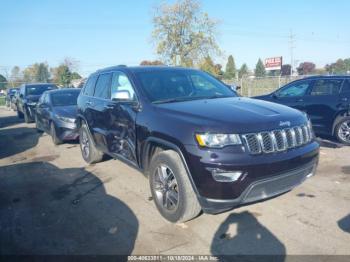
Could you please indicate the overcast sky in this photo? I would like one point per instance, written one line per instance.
(110, 32)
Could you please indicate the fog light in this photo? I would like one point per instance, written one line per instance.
(226, 176)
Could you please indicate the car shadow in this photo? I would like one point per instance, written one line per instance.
(9, 121)
(46, 210)
(17, 140)
(241, 234)
(344, 223)
(329, 142)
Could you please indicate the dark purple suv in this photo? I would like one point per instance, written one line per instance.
(201, 146)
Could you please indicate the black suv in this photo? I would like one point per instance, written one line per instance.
(201, 146)
(28, 97)
(326, 99)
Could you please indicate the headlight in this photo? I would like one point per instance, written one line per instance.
(66, 119)
(309, 125)
(218, 140)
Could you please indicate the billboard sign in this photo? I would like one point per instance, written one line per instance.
(273, 63)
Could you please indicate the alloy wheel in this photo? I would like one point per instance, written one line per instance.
(166, 188)
(85, 145)
(344, 131)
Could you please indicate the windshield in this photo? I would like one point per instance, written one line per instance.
(64, 98)
(34, 90)
(181, 85)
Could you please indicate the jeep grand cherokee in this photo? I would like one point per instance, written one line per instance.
(201, 146)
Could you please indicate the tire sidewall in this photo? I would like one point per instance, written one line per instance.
(178, 172)
(84, 129)
(337, 130)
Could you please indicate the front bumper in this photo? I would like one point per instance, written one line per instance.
(67, 131)
(262, 189)
(265, 175)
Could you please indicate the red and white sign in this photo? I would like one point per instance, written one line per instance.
(273, 63)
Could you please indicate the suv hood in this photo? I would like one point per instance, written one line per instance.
(234, 115)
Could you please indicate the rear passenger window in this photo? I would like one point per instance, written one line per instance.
(103, 86)
(326, 87)
(90, 86)
(346, 87)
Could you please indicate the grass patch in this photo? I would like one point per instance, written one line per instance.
(2, 101)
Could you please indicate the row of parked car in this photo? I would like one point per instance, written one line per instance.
(202, 146)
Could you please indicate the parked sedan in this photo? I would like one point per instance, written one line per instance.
(326, 99)
(56, 114)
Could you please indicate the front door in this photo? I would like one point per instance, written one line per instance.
(122, 114)
(293, 94)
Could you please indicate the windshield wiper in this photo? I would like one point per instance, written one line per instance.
(173, 100)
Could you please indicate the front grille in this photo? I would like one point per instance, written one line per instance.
(277, 140)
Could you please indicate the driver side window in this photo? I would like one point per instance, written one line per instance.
(294, 89)
(121, 87)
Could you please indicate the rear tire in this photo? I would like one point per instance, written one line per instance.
(88, 149)
(55, 138)
(342, 131)
(171, 188)
(26, 116)
(38, 129)
(19, 114)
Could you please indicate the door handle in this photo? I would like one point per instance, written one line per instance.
(88, 103)
(344, 99)
(300, 100)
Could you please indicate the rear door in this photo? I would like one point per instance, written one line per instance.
(345, 95)
(293, 94)
(86, 99)
(99, 111)
(322, 103)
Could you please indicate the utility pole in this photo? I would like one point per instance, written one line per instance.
(291, 48)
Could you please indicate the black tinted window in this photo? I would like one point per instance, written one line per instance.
(64, 98)
(103, 86)
(181, 85)
(326, 87)
(346, 86)
(38, 89)
(90, 86)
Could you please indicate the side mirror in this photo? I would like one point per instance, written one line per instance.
(121, 95)
(274, 96)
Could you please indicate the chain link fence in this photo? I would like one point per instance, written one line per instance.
(261, 85)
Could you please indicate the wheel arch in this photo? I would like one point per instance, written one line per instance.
(80, 120)
(338, 118)
(151, 145)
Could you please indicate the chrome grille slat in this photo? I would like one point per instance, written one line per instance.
(277, 140)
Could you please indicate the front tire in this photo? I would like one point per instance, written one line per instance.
(55, 139)
(37, 126)
(171, 188)
(342, 131)
(89, 152)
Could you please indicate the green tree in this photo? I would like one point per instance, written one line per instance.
(3, 82)
(243, 71)
(42, 73)
(207, 64)
(38, 72)
(62, 75)
(183, 34)
(259, 69)
(230, 72)
(75, 76)
(339, 67)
